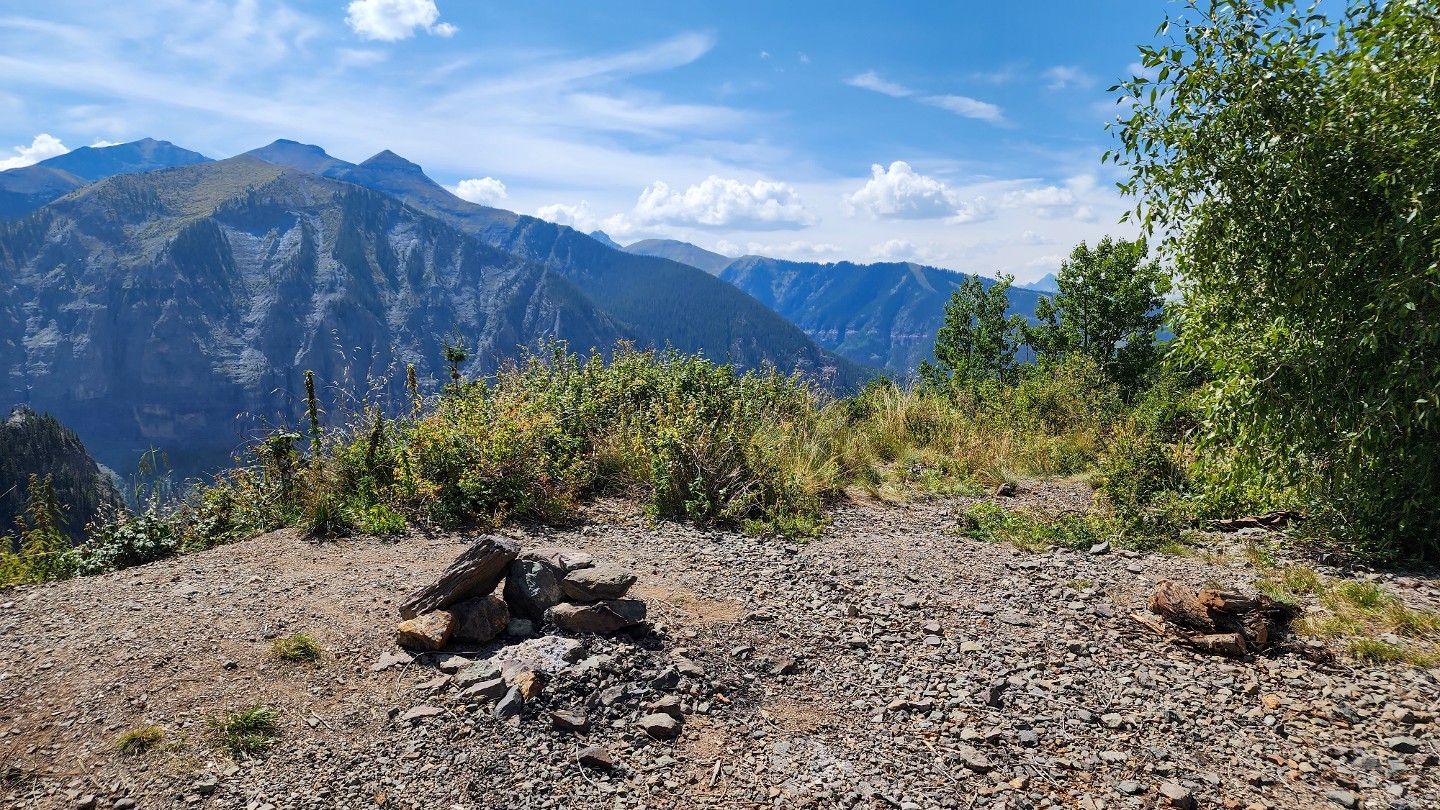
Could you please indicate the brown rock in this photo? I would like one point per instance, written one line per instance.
(604, 581)
(529, 682)
(479, 620)
(596, 757)
(600, 618)
(475, 572)
(660, 726)
(428, 632)
(570, 721)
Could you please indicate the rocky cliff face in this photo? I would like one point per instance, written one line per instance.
(659, 301)
(36, 444)
(152, 309)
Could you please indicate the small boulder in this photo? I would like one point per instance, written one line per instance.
(511, 705)
(660, 726)
(427, 632)
(479, 620)
(603, 581)
(520, 628)
(601, 618)
(529, 682)
(1177, 795)
(570, 721)
(531, 588)
(596, 757)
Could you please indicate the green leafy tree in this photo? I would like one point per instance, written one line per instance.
(43, 550)
(976, 342)
(1289, 162)
(1107, 308)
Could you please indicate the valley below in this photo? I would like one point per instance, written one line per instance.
(891, 662)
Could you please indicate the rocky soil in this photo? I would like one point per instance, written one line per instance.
(890, 663)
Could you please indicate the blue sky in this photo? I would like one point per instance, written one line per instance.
(962, 134)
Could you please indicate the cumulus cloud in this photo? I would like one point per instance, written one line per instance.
(575, 216)
(43, 147)
(391, 20)
(719, 202)
(1054, 202)
(870, 80)
(900, 192)
(967, 107)
(484, 191)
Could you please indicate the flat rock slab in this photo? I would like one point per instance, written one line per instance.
(561, 559)
(600, 618)
(547, 654)
(475, 572)
(602, 581)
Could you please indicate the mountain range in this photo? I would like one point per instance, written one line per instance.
(153, 305)
(883, 315)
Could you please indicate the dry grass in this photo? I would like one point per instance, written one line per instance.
(1374, 624)
(139, 740)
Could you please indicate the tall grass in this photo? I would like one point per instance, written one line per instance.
(690, 439)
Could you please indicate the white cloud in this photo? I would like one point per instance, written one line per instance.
(484, 191)
(43, 147)
(900, 192)
(719, 202)
(900, 250)
(967, 107)
(101, 143)
(575, 216)
(727, 248)
(1062, 77)
(869, 80)
(391, 20)
(794, 251)
(1049, 196)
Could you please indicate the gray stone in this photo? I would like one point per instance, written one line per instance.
(480, 620)
(1403, 745)
(520, 628)
(603, 581)
(1178, 795)
(1100, 548)
(660, 726)
(420, 713)
(562, 560)
(511, 705)
(600, 618)
(1112, 720)
(531, 588)
(476, 672)
(1129, 787)
(1344, 798)
(669, 704)
(971, 758)
(493, 689)
(474, 573)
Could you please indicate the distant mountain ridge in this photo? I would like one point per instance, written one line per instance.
(683, 252)
(37, 444)
(884, 314)
(28, 188)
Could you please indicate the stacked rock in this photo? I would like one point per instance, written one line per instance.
(561, 587)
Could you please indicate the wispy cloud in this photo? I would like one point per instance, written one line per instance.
(870, 80)
(1064, 77)
(960, 105)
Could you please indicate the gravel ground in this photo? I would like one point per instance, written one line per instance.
(890, 663)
